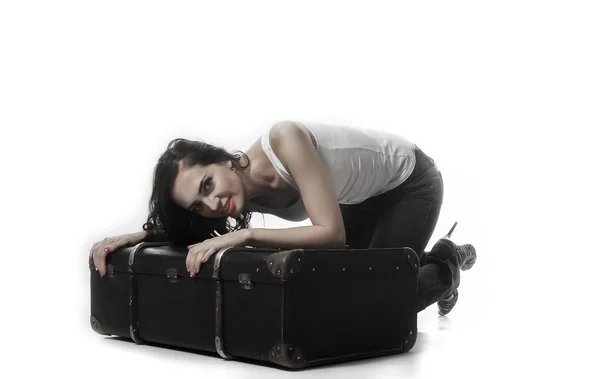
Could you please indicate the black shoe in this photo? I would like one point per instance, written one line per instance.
(466, 255)
(446, 304)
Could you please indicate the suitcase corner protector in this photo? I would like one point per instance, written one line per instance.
(287, 355)
(409, 340)
(96, 326)
(285, 264)
(413, 259)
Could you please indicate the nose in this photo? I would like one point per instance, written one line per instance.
(213, 204)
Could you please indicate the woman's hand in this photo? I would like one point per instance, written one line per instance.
(200, 252)
(101, 249)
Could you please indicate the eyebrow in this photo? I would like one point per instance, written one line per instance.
(191, 207)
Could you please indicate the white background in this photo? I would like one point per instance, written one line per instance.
(504, 96)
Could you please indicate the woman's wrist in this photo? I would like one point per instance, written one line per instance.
(141, 235)
(248, 236)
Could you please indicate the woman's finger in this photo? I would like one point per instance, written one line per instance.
(203, 257)
(196, 263)
(108, 245)
(190, 259)
(101, 260)
(96, 254)
(209, 254)
(94, 258)
(102, 251)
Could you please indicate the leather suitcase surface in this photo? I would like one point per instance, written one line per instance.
(290, 308)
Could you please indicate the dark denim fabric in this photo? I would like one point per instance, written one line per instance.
(406, 216)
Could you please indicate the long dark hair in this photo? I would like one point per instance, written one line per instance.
(169, 220)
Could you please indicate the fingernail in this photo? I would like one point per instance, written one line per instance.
(196, 270)
(106, 249)
(96, 268)
(203, 259)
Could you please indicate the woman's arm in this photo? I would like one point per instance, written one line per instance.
(290, 238)
(292, 143)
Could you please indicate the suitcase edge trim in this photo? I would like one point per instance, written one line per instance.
(97, 326)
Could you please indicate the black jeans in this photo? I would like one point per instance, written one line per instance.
(406, 217)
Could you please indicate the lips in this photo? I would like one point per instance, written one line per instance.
(228, 207)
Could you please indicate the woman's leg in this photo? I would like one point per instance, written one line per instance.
(411, 214)
(406, 217)
(409, 222)
(360, 221)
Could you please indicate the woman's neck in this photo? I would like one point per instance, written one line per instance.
(259, 178)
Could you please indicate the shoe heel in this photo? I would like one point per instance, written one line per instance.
(447, 236)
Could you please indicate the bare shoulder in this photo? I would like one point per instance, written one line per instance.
(290, 130)
(291, 142)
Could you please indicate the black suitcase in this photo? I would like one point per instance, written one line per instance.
(291, 308)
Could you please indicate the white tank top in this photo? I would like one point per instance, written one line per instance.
(362, 163)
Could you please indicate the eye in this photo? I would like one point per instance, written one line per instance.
(208, 183)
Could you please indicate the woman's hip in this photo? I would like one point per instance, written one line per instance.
(425, 186)
(425, 182)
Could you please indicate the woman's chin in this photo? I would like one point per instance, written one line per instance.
(238, 210)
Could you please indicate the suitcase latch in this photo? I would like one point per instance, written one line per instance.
(245, 281)
(172, 275)
(110, 271)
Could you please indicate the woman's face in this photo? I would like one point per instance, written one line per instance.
(212, 191)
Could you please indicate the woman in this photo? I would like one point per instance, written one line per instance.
(359, 187)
